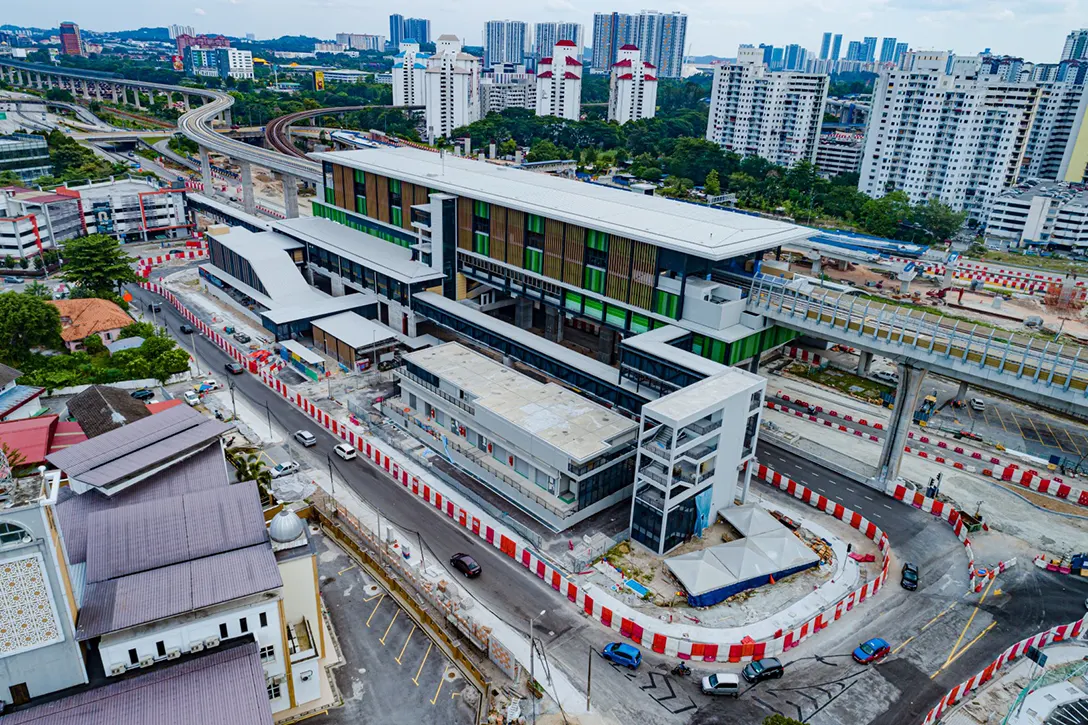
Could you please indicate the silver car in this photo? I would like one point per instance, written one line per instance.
(306, 438)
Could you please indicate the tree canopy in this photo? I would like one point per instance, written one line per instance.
(96, 264)
(26, 321)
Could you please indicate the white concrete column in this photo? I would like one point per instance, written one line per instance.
(86, 90)
(50, 80)
(290, 196)
(185, 100)
(906, 401)
(206, 172)
(865, 361)
(249, 203)
(227, 117)
(747, 480)
(113, 93)
(136, 93)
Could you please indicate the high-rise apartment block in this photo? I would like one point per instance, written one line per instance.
(869, 52)
(201, 41)
(506, 85)
(559, 83)
(546, 35)
(887, 50)
(1076, 45)
(660, 36)
(755, 111)
(504, 41)
(900, 51)
(451, 87)
(402, 28)
(632, 89)
(836, 46)
(1057, 146)
(71, 42)
(825, 46)
(361, 41)
(408, 67)
(612, 31)
(946, 132)
(218, 62)
(176, 30)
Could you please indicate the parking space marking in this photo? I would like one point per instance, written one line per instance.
(1001, 420)
(1063, 447)
(415, 679)
(441, 681)
(378, 604)
(904, 644)
(397, 658)
(341, 572)
(930, 622)
(391, 621)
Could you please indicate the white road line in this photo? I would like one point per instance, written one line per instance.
(887, 507)
(876, 516)
(868, 498)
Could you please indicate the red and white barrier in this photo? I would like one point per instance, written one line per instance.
(1051, 636)
(145, 265)
(979, 578)
(798, 353)
(825, 422)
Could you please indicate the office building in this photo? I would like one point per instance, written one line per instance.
(775, 115)
(694, 445)
(71, 42)
(839, 153)
(855, 51)
(900, 51)
(559, 83)
(346, 75)
(552, 453)
(1041, 214)
(361, 41)
(234, 63)
(504, 41)
(546, 35)
(451, 88)
(869, 49)
(887, 50)
(134, 210)
(1076, 45)
(661, 39)
(941, 130)
(825, 46)
(201, 41)
(32, 222)
(176, 30)
(408, 80)
(396, 30)
(632, 88)
(505, 86)
(25, 155)
(836, 46)
(611, 31)
(794, 57)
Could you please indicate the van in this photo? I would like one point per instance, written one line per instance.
(722, 683)
(191, 398)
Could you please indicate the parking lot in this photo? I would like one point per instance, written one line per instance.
(394, 674)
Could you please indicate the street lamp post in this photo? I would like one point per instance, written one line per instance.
(332, 483)
(532, 660)
(233, 405)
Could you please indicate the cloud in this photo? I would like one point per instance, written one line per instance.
(199, 11)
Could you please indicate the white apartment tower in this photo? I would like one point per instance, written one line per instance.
(1076, 45)
(504, 41)
(1058, 144)
(632, 89)
(559, 83)
(451, 87)
(950, 135)
(775, 115)
(408, 67)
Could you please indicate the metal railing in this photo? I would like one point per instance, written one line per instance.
(403, 372)
(1019, 359)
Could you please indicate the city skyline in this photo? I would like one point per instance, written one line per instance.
(1036, 31)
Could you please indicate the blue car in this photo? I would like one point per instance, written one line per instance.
(871, 651)
(622, 654)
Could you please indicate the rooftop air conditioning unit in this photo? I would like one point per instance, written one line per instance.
(196, 646)
(211, 642)
(118, 669)
(173, 654)
(147, 661)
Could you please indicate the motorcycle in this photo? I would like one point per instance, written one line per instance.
(681, 670)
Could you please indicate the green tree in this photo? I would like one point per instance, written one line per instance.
(10, 178)
(38, 263)
(26, 322)
(883, 216)
(780, 720)
(9, 262)
(96, 264)
(677, 187)
(545, 150)
(169, 363)
(24, 263)
(508, 147)
(37, 289)
(93, 345)
(137, 329)
(249, 466)
(938, 219)
(712, 186)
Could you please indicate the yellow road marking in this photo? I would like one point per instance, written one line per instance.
(416, 678)
(454, 694)
(341, 572)
(972, 642)
(946, 611)
(406, 644)
(1002, 421)
(905, 643)
(380, 599)
(952, 655)
(441, 681)
(395, 615)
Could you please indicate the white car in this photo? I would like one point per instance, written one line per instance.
(721, 683)
(978, 404)
(191, 398)
(285, 469)
(345, 451)
(306, 438)
(886, 376)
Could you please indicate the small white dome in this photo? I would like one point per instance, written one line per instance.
(285, 527)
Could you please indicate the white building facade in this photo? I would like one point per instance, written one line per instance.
(234, 63)
(451, 88)
(505, 41)
(839, 153)
(559, 83)
(776, 115)
(506, 85)
(1041, 213)
(408, 67)
(632, 88)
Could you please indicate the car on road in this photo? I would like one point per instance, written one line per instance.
(466, 565)
(207, 384)
(910, 576)
(13, 280)
(872, 651)
(234, 368)
(306, 438)
(623, 654)
(186, 329)
(978, 404)
(143, 394)
(191, 398)
(765, 669)
(345, 451)
(242, 337)
(154, 307)
(886, 376)
(721, 683)
(284, 469)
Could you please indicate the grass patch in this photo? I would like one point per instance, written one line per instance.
(1050, 264)
(842, 381)
(146, 153)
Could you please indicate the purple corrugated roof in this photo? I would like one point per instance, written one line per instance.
(234, 574)
(201, 472)
(226, 687)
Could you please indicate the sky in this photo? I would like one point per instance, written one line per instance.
(1033, 29)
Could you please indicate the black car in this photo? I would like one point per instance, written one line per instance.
(154, 307)
(186, 329)
(242, 337)
(144, 394)
(765, 669)
(910, 576)
(466, 565)
(234, 368)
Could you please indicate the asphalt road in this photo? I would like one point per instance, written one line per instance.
(896, 692)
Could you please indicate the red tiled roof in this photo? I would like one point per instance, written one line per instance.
(34, 438)
(648, 64)
(566, 43)
(162, 405)
(89, 316)
(629, 46)
(625, 77)
(572, 61)
(649, 78)
(625, 63)
(545, 61)
(572, 76)
(545, 74)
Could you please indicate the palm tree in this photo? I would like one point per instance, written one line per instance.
(249, 467)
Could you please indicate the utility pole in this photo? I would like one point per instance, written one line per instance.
(589, 677)
(233, 406)
(422, 560)
(268, 413)
(332, 483)
(532, 661)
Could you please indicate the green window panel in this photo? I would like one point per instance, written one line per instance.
(534, 260)
(594, 279)
(394, 186)
(616, 316)
(481, 244)
(573, 302)
(639, 323)
(594, 309)
(481, 209)
(330, 196)
(360, 176)
(536, 223)
(596, 240)
(360, 204)
(395, 215)
(667, 304)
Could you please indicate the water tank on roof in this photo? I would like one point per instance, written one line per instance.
(285, 526)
